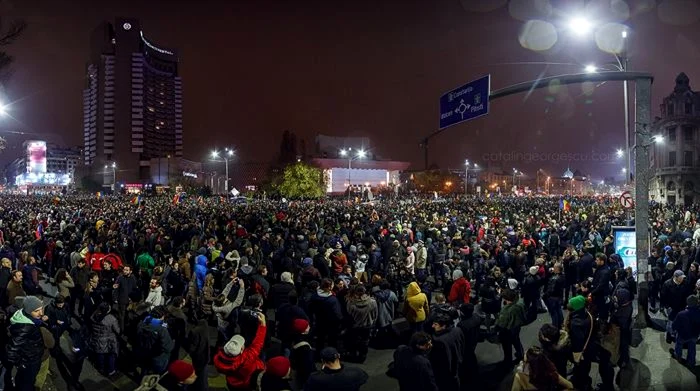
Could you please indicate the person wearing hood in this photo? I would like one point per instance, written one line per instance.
(386, 306)
(362, 309)
(309, 272)
(200, 268)
(412, 367)
(237, 362)
(155, 294)
(103, 341)
(279, 293)
(461, 290)
(26, 344)
(416, 307)
(154, 342)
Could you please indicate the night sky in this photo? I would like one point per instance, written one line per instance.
(252, 69)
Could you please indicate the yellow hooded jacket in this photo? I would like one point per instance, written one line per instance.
(416, 307)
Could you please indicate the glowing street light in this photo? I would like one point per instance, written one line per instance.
(347, 152)
(659, 139)
(226, 156)
(591, 68)
(3, 109)
(620, 153)
(580, 26)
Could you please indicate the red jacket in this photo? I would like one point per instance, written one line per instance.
(239, 369)
(461, 291)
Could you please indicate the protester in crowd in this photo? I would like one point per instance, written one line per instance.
(104, 339)
(26, 344)
(412, 367)
(238, 362)
(538, 373)
(334, 375)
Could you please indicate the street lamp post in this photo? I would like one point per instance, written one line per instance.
(347, 152)
(114, 173)
(226, 156)
(515, 172)
(466, 175)
(547, 184)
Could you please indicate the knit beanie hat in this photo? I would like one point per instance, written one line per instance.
(234, 346)
(457, 274)
(278, 366)
(307, 262)
(300, 326)
(577, 302)
(181, 370)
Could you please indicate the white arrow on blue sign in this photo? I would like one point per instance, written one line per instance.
(466, 102)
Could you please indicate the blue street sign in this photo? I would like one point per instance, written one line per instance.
(466, 102)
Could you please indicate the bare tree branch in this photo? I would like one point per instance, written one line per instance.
(15, 30)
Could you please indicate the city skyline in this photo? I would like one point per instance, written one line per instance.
(355, 70)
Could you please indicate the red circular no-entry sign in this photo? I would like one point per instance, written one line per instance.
(626, 200)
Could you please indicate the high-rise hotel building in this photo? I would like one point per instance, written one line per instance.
(132, 103)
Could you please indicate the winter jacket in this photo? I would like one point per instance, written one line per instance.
(601, 283)
(239, 369)
(687, 323)
(363, 311)
(223, 312)
(127, 285)
(413, 370)
(674, 295)
(446, 355)
(417, 304)
(145, 263)
(460, 292)
(302, 360)
(154, 342)
(197, 344)
(343, 379)
(386, 305)
(65, 286)
(421, 257)
(279, 294)
(325, 309)
(512, 316)
(155, 297)
(285, 317)
(26, 345)
(103, 335)
(14, 290)
(200, 270)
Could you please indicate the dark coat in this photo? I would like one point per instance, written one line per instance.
(601, 282)
(279, 294)
(413, 370)
(446, 357)
(674, 295)
(197, 344)
(325, 310)
(285, 316)
(103, 335)
(26, 345)
(302, 360)
(687, 323)
(343, 379)
(470, 330)
(126, 286)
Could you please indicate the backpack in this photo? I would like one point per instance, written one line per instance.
(149, 340)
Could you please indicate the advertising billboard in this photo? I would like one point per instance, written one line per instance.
(625, 242)
(36, 153)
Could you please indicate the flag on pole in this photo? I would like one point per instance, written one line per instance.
(176, 199)
(99, 194)
(136, 200)
(564, 205)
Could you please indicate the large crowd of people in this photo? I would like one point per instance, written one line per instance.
(280, 295)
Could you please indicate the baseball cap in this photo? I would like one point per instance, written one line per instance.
(678, 273)
(329, 354)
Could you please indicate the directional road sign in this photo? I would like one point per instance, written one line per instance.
(466, 102)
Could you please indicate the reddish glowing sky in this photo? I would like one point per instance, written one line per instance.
(252, 69)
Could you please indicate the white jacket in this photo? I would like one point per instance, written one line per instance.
(155, 297)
